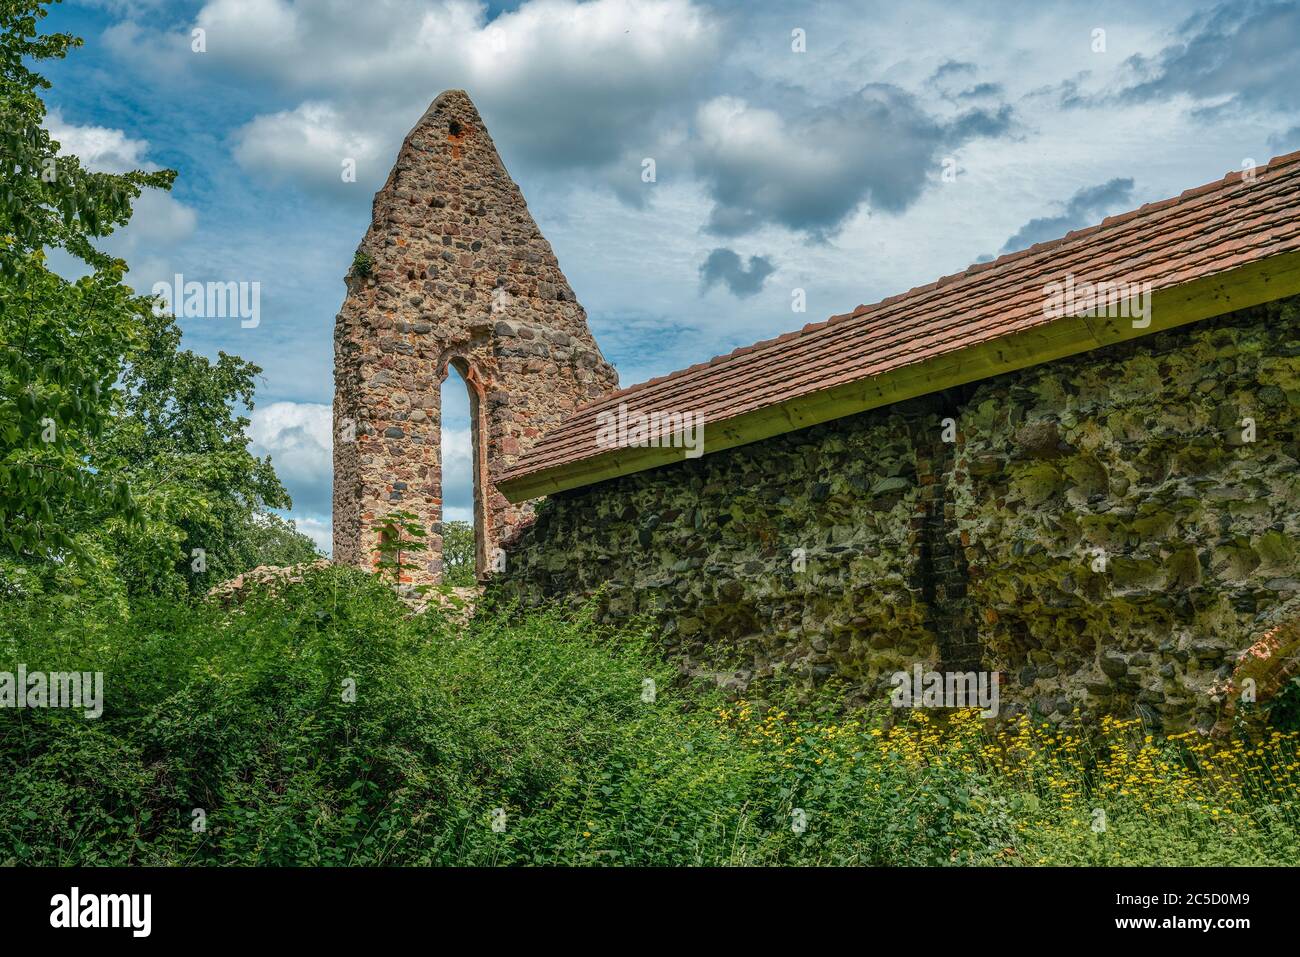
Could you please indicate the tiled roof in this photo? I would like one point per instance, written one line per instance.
(1203, 232)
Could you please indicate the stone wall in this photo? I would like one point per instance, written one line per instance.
(453, 271)
(1100, 530)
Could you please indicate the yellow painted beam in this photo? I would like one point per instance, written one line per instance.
(1262, 281)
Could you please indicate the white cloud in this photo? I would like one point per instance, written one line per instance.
(153, 50)
(100, 148)
(320, 531)
(457, 475)
(309, 145)
(600, 46)
(298, 437)
(159, 222)
(812, 171)
(578, 84)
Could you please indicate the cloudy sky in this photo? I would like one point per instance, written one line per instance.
(850, 150)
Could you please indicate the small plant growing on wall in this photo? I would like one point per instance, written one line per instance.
(400, 538)
(362, 265)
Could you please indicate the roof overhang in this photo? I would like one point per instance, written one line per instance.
(1261, 281)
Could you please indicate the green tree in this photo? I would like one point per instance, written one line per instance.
(458, 563)
(117, 448)
(264, 538)
(64, 344)
(185, 453)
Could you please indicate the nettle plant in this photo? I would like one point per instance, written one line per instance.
(400, 537)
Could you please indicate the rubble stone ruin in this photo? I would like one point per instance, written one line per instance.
(453, 271)
(1097, 504)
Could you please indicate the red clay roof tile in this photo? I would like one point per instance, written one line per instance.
(1199, 233)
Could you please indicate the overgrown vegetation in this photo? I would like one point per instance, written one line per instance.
(322, 723)
(122, 460)
(328, 726)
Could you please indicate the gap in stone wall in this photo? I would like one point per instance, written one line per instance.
(457, 458)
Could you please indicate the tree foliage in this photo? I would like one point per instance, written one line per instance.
(65, 343)
(115, 445)
(458, 563)
(185, 454)
(596, 749)
(400, 539)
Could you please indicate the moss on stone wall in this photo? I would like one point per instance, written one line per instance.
(1102, 530)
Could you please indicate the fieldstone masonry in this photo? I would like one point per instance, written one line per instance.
(1104, 531)
(1112, 533)
(453, 271)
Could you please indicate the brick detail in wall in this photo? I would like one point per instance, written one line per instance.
(942, 575)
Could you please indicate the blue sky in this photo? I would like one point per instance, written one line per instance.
(821, 169)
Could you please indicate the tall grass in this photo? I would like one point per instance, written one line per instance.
(326, 726)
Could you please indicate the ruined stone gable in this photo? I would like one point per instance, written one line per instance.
(452, 271)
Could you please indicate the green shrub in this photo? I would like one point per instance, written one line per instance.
(327, 726)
